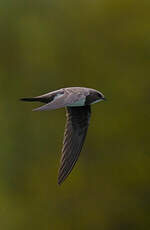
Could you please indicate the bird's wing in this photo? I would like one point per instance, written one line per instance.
(74, 136)
(61, 100)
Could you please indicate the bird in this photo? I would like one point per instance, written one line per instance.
(77, 101)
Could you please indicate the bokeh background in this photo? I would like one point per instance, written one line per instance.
(46, 45)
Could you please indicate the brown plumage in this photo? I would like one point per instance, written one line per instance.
(74, 136)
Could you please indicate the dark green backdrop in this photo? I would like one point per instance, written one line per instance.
(46, 45)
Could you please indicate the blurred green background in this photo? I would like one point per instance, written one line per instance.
(46, 45)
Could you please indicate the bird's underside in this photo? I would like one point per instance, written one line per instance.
(74, 136)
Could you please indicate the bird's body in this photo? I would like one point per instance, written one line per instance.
(77, 100)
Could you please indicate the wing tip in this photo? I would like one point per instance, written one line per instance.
(61, 179)
(36, 109)
(59, 182)
(25, 99)
(30, 99)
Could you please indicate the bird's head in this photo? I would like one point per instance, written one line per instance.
(94, 97)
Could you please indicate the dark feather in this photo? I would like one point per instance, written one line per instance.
(40, 99)
(74, 136)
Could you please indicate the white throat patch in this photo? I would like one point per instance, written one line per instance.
(96, 101)
(78, 103)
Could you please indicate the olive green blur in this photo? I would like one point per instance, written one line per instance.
(46, 45)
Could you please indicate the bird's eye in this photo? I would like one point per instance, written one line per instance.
(100, 96)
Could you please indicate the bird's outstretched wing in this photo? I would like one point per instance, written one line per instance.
(74, 136)
(57, 99)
